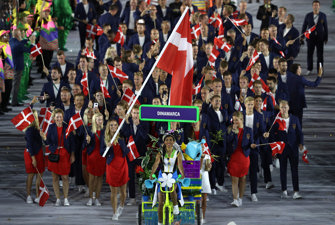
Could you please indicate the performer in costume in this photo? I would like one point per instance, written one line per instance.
(63, 13)
(168, 159)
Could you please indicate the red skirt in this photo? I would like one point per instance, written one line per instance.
(47, 152)
(84, 157)
(238, 165)
(117, 171)
(63, 166)
(96, 164)
(39, 161)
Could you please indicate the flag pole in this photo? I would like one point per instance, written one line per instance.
(236, 26)
(149, 75)
(83, 124)
(273, 123)
(41, 179)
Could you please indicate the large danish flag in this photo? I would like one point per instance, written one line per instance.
(36, 50)
(74, 124)
(23, 119)
(129, 97)
(177, 59)
(222, 45)
(90, 54)
(215, 21)
(253, 60)
(117, 73)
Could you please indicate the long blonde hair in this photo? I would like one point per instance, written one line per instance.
(94, 123)
(108, 134)
(35, 123)
(85, 117)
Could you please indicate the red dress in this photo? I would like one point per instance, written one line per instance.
(39, 161)
(238, 165)
(196, 135)
(84, 153)
(117, 170)
(63, 166)
(96, 164)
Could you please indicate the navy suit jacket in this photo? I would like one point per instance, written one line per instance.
(126, 14)
(18, 48)
(52, 138)
(81, 14)
(247, 140)
(321, 30)
(33, 141)
(134, 39)
(48, 88)
(67, 68)
(95, 86)
(160, 13)
(108, 18)
(258, 126)
(110, 153)
(292, 50)
(103, 46)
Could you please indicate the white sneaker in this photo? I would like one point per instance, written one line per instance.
(203, 221)
(207, 199)
(269, 185)
(235, 203)
(296, 195)
(222, 188)
(271, 168)
(119, 211)
(284, 195)
(277, 163)
(87, 192)
(90, 202)
(160, 223)
(214, 191)
(254, 198)
(308, 72)
(240, 201)
(60, 183)
(132, 201)
(115, 217)
(96, 202)
(37, 200)
(66, 202)
(29, 200)
(58, 202)
(175, 210)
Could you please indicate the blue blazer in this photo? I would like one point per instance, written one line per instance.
(110, 153)
(81, 14)
(103, 46)
(33, 141)
(67, 68)
(108, 18)
(321, 30)
(18, 48)
(52, 138)
(160, 13)
(95, 86)
(126, 14)
(247, 140)
(48, 88)
(266, 68)
(258, 126)
(292, 50)
(91, 145)
(276, 48)
(134, 39)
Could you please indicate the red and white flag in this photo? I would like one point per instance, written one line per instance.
(36, 50)
(207, 151)
(309, 31)
(90, 54)
(23, 119)
(239, 22)
(265, 104)
(277, 147)
(253, 60)
(74, 123)
(214, 55)
(304, 156)
(133, 153)
(177, 59)
(119, 37)
(215, 21)
(117, 73)
(238, 106)
(41, 116)
(235, 14)
(129, 97)
(43, 195)
(84, 83)
(276, 41)
(281, 122)
(221, 31)
(282, 54)
(47, 121)
(93, 30)
(196, 89)
(196, 31)
(255, 77)
(222, 45)
(104, 89)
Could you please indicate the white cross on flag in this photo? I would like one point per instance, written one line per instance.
(74, 124)
(119, 36)
(214, 55)
(239, 22)
(207, 151)
(117, 73)
(277, 147)
(129, 97)
(177, 59)
(90, 54)
(281, 122)
(264, 104)
(36, 50)
(41, 116)
(84, 83)
(215, 21)
(309, 31)
(196, 31)
(46, 121)
(133, 153)
(238, 106)
(23, 119)
(196, 89)
(91, 31)
(221, 31)
(255, 77)
(104, 89)
(253, 59)
(222, 45)
(43, 194)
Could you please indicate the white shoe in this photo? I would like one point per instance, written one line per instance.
(132, 201)
(239, 201)
(175, 210)
(58, 202)
(96, 202)
(254, 198)
(60, 183)
(93, 194)
(271, 168)
(66, 202)
(37, 200)
(235, 203)
(90, 202)
(296, 195)
(269, 185)
(277, 163)
(203, 221)
(222, 188)
(29, 200)
(119, 211)
(284, 195)
(214, 191)
(207, 199)
(115, 217)
(87, 192)
(160, 223)
(308, 72)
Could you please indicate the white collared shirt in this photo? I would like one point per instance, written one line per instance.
(249, 121)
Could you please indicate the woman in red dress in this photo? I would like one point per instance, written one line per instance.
(96, 164)
(33, 157)
(59, 145)
(117, 167)
(240, 140)
(88, 114)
